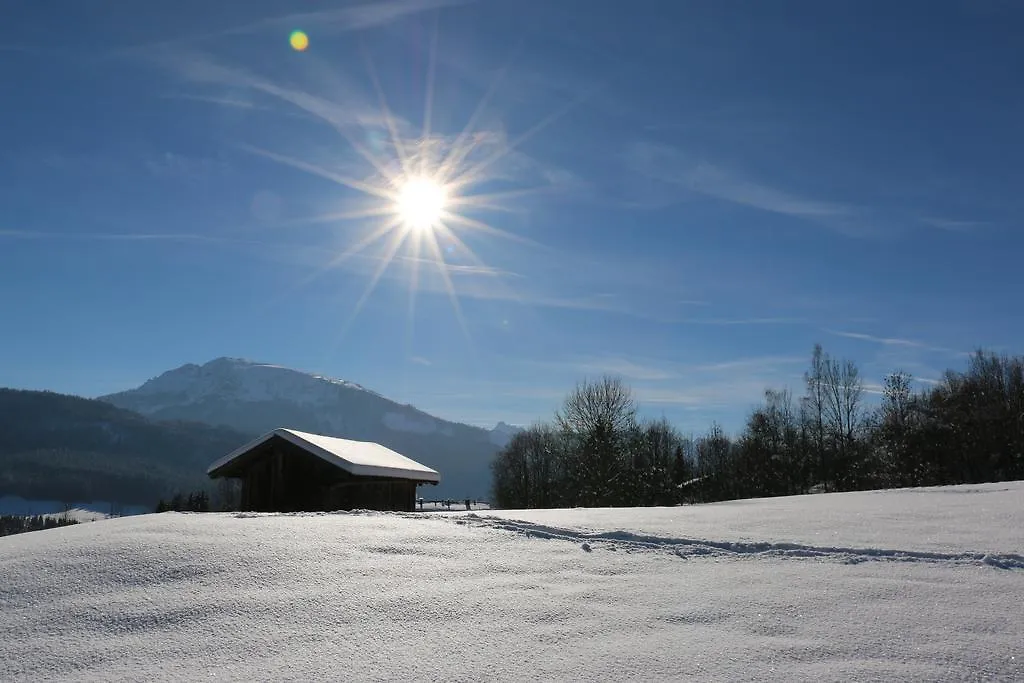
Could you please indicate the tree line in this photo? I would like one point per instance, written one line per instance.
(195, 501)
(17, 524)
(966, 428)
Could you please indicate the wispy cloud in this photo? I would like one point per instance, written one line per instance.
(743, 321)
(455, 269)
(670, 165)
(758, 364)
(344, 19)
(420, 360)
(695, 394)
(892, 341)
(733, 383)
(888, 341)
(191, 169)
(353, 109)
(332, 21)
(736, 393)
(539, 289)
(354, 113)
(220, 100)
(717, 182)
(620, 367)
(118, 237)
(873, 389)
(700, 177)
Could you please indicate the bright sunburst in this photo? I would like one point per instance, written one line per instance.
(416, 194)
(420, 203)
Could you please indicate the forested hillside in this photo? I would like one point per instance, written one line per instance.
(57, 447)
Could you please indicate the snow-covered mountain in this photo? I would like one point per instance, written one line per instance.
(257, 397)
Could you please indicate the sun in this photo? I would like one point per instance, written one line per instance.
(420, 203)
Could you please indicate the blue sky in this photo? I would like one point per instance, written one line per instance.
(688, 194)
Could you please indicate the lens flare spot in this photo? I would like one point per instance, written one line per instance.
(299, 41)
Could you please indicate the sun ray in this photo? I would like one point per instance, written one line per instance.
(453, 296)
(423, 200)
(336, 260)
(351, 183)
(464, 248)
(335, 216)
(379, 233)
(495, 200)
(428, 95)
(398, 237)
(410, 319)
(468, 175)
(493, 206)
(389, 120)
(324, 110)
(458, 150)
(474, 199)
(480, 226)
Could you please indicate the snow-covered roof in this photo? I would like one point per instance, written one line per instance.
(361, 458)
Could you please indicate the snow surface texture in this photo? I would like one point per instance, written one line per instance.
(923, 584)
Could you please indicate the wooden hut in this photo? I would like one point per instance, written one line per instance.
(287, 471)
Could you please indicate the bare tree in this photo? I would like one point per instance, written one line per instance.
(596, 419)
(605, 404)
(843, 399)
(895, 428)
(813, 412)
(844, 391)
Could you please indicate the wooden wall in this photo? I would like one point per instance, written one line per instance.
(282, 477)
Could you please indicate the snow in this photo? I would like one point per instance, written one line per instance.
(241, 380)
(920, 584)
(245, 380)
(922, 519)
(79, 515)
(362, 458)
(82, 510)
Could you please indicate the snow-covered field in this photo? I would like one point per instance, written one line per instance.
(924, 584)
(82, 511)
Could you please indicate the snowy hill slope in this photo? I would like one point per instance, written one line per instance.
(904, 585)
(256, 397)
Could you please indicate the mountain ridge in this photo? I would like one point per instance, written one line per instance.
(255, 397)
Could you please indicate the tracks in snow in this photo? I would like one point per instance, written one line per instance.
(690, 547)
